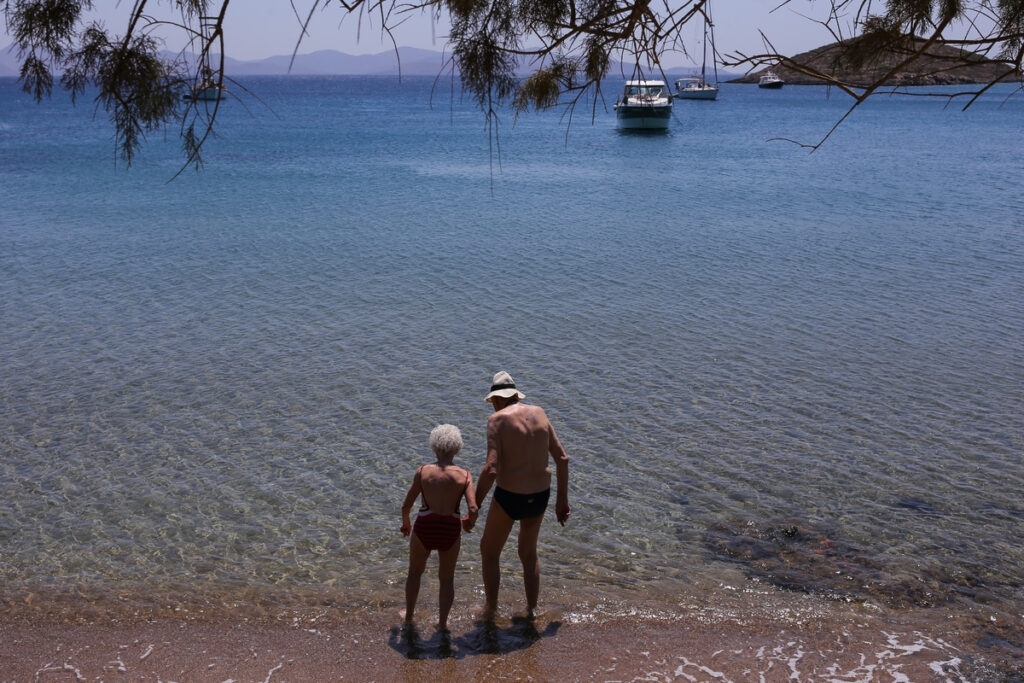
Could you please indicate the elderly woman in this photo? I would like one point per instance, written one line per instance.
(442, 486)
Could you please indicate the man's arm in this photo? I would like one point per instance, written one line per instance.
(490, 471)
(562, 474)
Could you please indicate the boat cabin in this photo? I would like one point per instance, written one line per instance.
(646, 89)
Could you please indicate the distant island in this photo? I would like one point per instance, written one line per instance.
(945, 67)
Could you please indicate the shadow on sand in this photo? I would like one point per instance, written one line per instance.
(486, 638)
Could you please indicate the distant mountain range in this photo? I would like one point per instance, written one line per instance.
(408, 60)
(412, 61)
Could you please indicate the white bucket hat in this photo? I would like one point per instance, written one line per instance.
(504, 386)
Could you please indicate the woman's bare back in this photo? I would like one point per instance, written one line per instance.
(443, 487)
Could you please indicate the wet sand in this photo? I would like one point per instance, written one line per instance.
(555, 647)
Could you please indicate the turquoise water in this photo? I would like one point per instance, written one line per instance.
(765, 363)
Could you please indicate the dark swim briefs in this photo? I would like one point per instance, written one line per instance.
(437, 532)
(522, 505)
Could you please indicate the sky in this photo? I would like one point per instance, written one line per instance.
(256, 29)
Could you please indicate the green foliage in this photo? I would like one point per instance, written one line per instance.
(539, 91)
(466, 10)
(36, 77)
(1011, 18)
(596, 61)
(46, 26)
(44, 31)
(488, 72)
(141, 93)
(542, 16)
(880, 35)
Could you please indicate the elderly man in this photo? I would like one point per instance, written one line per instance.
(519, 440)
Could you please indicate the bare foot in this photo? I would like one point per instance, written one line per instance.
(527, 615)
(487, 613)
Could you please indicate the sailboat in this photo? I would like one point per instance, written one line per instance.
(208, 88)
(697, 87)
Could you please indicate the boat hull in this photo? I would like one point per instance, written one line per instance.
(210, 94)
(773, 85)
(643, 117)
(706, 93)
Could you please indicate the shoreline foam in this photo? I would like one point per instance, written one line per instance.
(843, 645)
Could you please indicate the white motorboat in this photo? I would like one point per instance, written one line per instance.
(644, 104)
(770, 80)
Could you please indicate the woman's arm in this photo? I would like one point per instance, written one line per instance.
(470, 518)
(410, 499)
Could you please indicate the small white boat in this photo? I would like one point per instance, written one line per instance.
(207, 91)
(644, 105)
(697, 87)
(210, 87)
(770, 80)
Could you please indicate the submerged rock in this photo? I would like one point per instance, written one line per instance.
(814, 558)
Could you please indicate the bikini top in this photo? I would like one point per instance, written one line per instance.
(423, 494)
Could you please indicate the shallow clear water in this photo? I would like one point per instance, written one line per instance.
(222, 385)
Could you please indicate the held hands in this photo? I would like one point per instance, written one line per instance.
(469, 521)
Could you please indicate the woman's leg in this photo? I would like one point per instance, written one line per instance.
(417, 563)
(446, 574)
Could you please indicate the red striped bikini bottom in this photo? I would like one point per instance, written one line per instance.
(437, 532)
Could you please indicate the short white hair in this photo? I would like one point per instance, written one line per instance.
(445, 440)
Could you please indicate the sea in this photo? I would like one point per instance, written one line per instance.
(789, 376)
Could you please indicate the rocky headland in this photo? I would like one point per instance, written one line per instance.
(856, 64)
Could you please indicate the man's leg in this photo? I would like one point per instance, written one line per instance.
(529, 531)
(496, 532)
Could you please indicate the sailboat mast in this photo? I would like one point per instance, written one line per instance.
(704, 61)
(709, 26)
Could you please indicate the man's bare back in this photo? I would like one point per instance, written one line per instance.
(521, 436)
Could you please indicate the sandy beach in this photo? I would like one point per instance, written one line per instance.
(554, 647)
